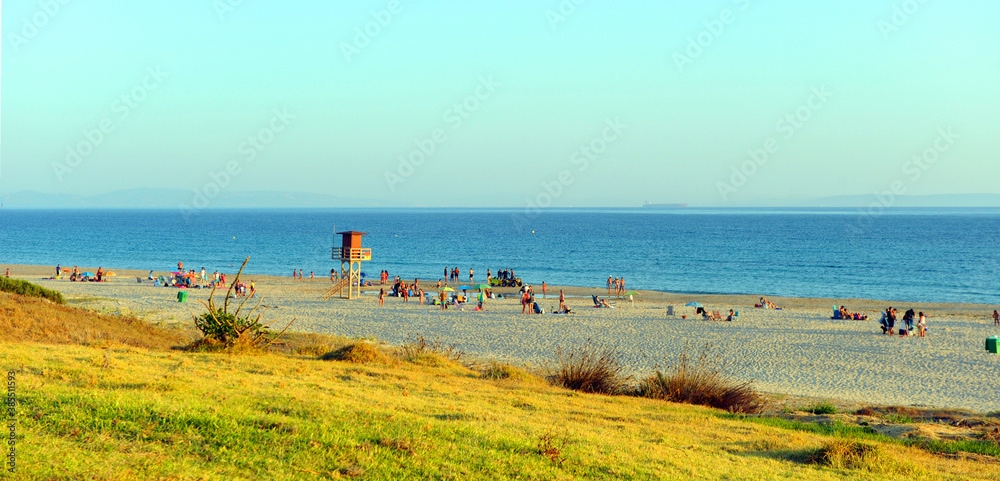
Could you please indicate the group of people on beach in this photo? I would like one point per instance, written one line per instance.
(766, 304)
(299, 275)
(454, 274)
(616, 283)
(888, 322)
(843, 313)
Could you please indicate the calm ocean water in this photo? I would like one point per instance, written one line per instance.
(943, 255)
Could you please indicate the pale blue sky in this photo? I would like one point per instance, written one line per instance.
(554, 90)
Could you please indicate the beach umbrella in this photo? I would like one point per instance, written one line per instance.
(447, 289)
(110, 274)
(463, 288)
(632, 293)
(66, 269)
(176, 273)
(481, 286)
(693, 304)
(88, 274)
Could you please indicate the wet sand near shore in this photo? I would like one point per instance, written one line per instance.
(798, 350)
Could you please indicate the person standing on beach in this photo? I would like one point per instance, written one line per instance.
(58, 270)
(996, 318)
(8, 272)
(544, 287)
(180, 266)
(203, 278)
(381, 297)
(609, 285)
(253, 289)
(471, 272)
(922, 325)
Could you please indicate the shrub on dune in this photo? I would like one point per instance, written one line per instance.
(25, 288)
(702, 381)
(591, 368)
(501, 370)
(358, 353)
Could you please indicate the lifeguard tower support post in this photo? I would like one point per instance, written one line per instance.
(351, 255)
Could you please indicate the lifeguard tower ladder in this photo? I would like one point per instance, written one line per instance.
(351, 255)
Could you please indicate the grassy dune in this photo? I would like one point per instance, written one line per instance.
(111, 410)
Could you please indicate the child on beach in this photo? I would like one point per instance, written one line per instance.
(996, 318)
(381, 297)
(922, 325)
(8, 272)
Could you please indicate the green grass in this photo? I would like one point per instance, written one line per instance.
(25, 288)
(821, 408)
(847, 431)
(131, 413)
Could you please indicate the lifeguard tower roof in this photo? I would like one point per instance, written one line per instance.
(352, 232)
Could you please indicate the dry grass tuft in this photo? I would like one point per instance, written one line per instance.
(591, 368)
(29, 319)
(551, 446)
(702, 381)
(358, 353)
(862, 456)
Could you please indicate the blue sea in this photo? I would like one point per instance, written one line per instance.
(915, 255)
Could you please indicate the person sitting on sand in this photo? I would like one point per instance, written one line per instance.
(731, 315)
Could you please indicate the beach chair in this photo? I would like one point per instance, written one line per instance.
(596, 304)
(670, 310)
(716, 316)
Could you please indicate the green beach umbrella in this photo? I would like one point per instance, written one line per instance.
(481, 286)
(632, 293)
(447, 289)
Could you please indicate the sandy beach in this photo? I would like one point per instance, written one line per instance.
(797, 350)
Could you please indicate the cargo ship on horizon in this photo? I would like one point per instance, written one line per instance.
(664, 206)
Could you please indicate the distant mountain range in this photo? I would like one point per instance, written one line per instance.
(941, 200)
(176, 198)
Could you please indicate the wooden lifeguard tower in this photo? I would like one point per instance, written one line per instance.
(351, 255)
